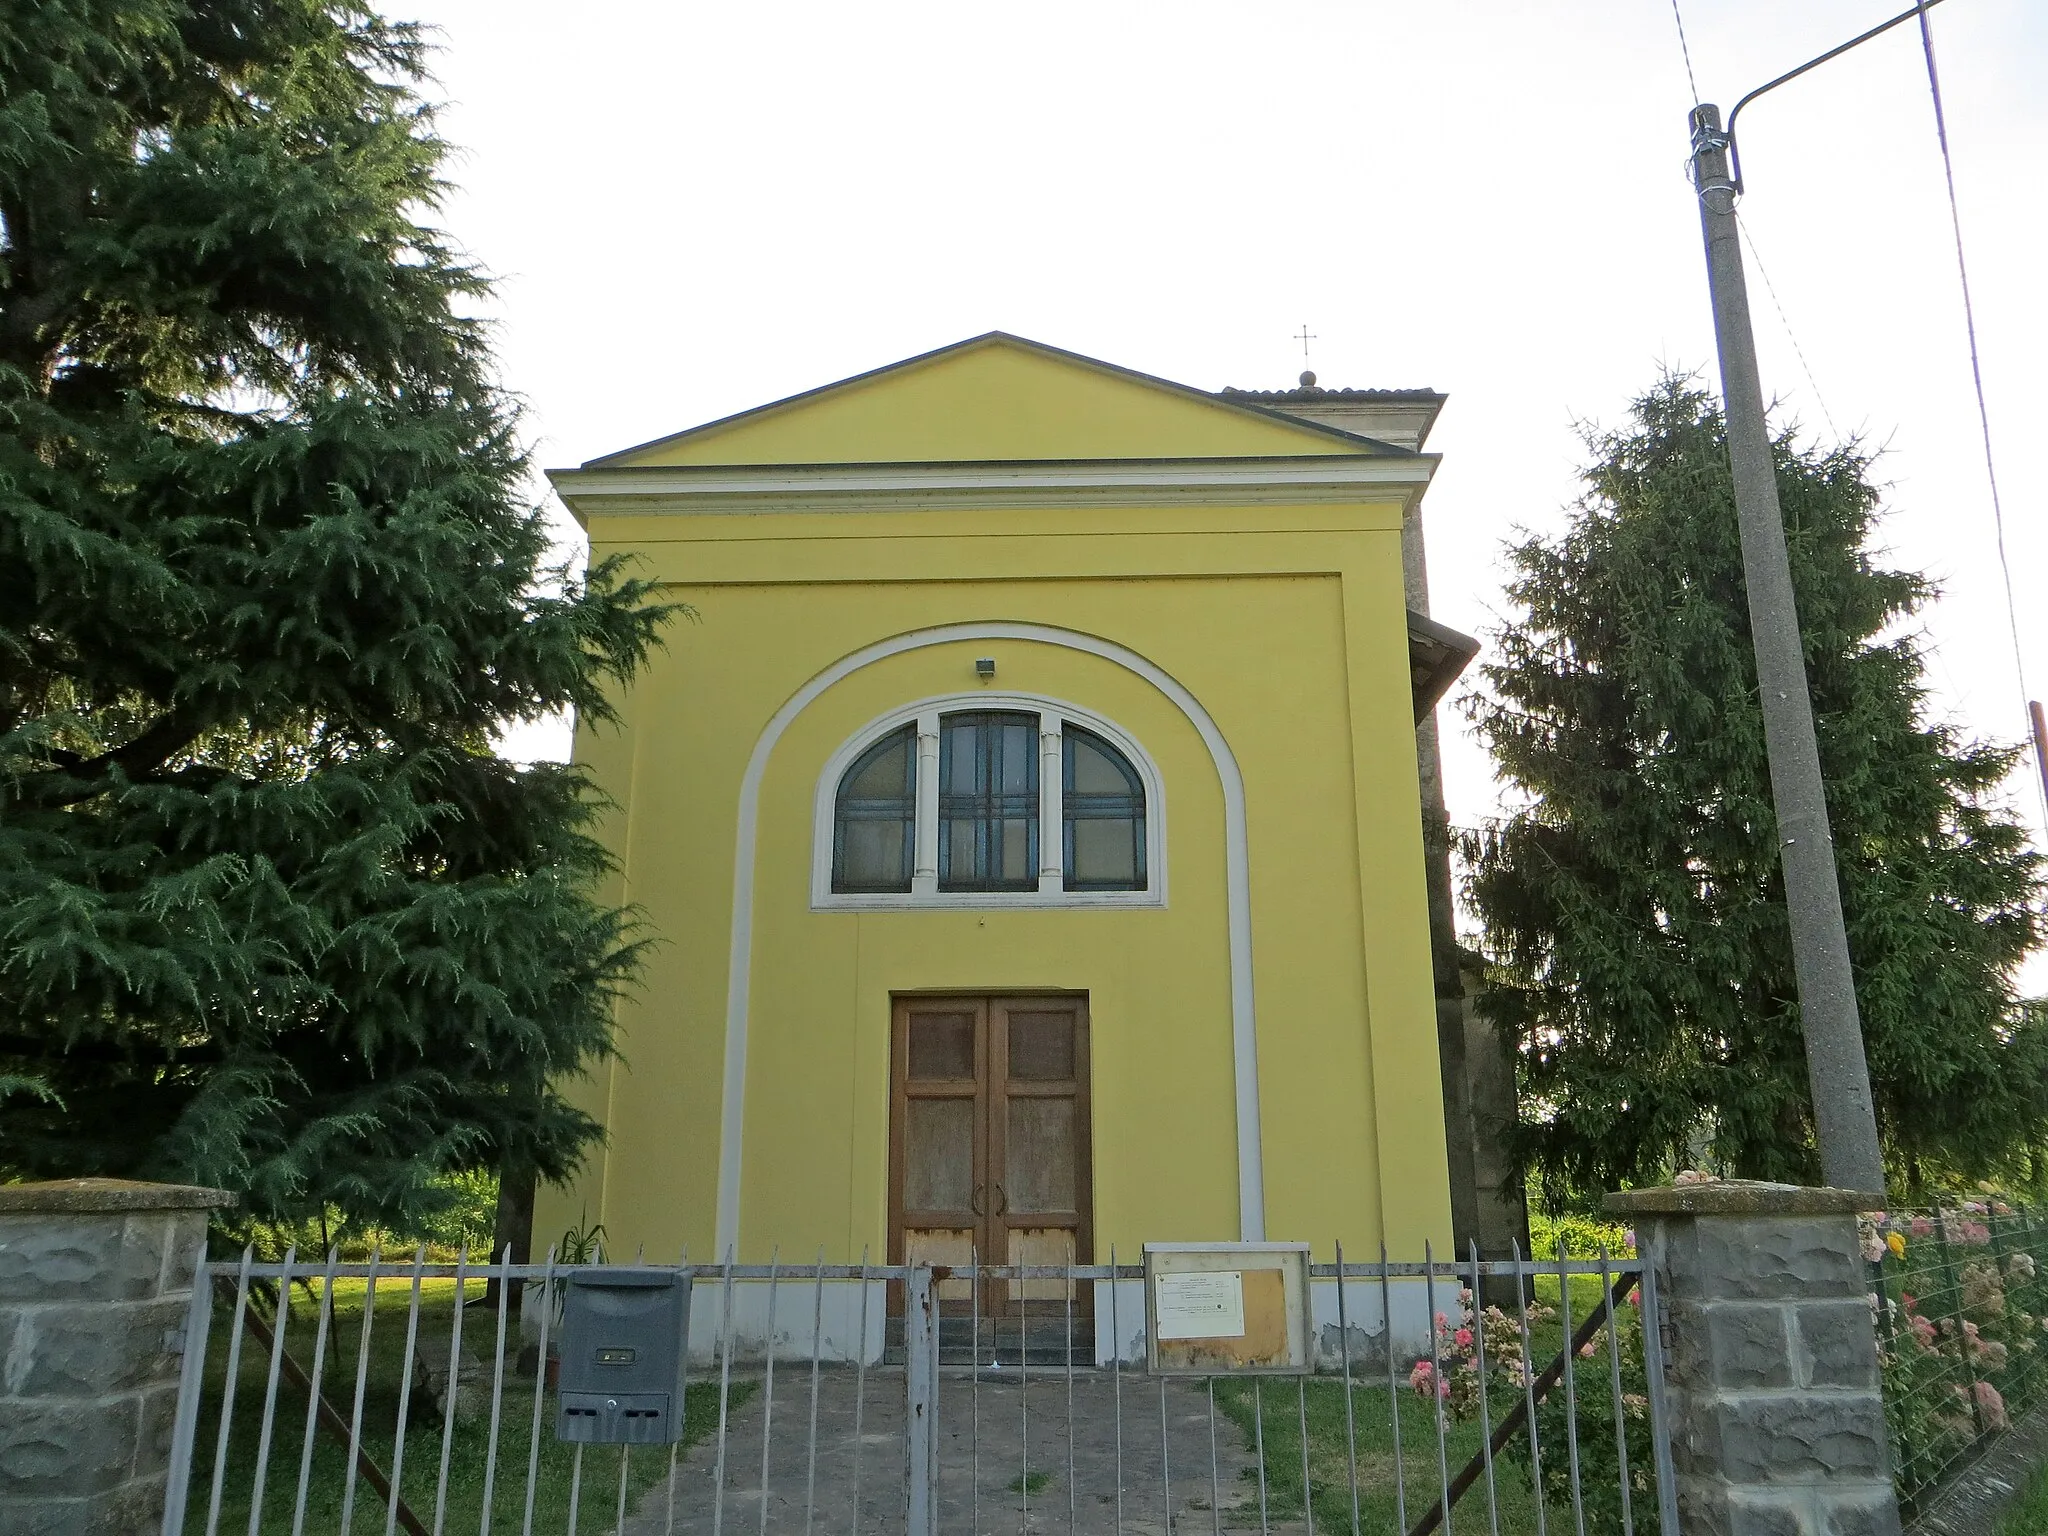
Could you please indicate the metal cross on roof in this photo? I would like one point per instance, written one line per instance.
(1305, 338)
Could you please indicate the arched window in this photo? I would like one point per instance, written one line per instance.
(1002, 799)
(875, 819)
(1103, 801)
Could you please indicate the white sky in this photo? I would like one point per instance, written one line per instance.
(694, 208)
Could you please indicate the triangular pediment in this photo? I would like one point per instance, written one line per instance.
(996, 398)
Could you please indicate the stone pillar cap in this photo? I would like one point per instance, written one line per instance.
(1740, 1197)
(81, 1195)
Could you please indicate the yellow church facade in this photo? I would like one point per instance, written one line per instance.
(1027, 818)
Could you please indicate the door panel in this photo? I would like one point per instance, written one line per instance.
(1038, 1161)
(938, 1155)
(942, 1044)
(938, 1137)
(1038, 1139)
(1041, 1044)
(989, 1145)
(1044, 1245)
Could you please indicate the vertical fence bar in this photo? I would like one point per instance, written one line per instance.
(1350, 1413)
(768, 1391)
(1024, 1397)
(1258, 1387)
(454, 1382)
(355, 1421)
(1437, 1385)
(1215, 1480)
(1165, 1461)
(1116, 1375)
(227, 1395)
(282, 1313)
(974, 1390)
(575, 1485)
(540, 1389)
(505, 1284)
(1888, 1336)
(1628, 1522)
(725, 1331)
(412, 1334)
(626, 1451)
(675, 1446)
(1522, 1288)
(921, 1393)
(191, 1382)
(323, 1325)
(1073, 1512)
(817, 1350)
(2027, 1246)
(1660, 1415)
(1571, 1394)
(1308, 1503)
(1393, 1393)
(1477, 1323)
(860, 1387)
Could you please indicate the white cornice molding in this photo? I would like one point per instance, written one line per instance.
(682, 490)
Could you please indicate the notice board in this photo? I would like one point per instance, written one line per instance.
(1227, 1309)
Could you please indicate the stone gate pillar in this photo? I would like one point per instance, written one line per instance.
(1777, 1428)
(95, 1282)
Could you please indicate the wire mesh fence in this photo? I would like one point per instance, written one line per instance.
(1960, 1296)
(329, 1397)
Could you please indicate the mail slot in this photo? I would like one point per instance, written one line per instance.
(624, 1333)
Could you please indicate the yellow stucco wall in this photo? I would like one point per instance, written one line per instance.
(1285, 623)
(989, 399)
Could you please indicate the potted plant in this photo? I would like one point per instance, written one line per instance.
(579, 1245)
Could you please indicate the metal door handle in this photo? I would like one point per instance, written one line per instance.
(974, 1201)
(1002, 1201)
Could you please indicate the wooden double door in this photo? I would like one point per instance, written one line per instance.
(989, 1142)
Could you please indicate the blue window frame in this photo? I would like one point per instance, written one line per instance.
(1103, 804)
(874, 826)
(988, 802)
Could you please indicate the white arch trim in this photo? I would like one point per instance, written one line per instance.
(825, 807)
(1251, 1200)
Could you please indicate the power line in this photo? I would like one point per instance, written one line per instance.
(1686, 52)
(1955, 217)
(1784, 320)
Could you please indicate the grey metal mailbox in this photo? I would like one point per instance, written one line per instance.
(624, 1336)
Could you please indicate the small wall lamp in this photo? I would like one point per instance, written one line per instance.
(985, 667)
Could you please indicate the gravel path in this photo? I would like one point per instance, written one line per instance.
(984, 1485)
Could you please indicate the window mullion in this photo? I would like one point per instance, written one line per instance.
(924, 879)
(1051, 817)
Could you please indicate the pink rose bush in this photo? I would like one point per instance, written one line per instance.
(1961, 1306)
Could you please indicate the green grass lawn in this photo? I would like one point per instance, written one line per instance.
(469, 1452)
(1272, 1411)
(2028, 1514)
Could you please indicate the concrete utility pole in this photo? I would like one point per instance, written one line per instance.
(1839, 1076)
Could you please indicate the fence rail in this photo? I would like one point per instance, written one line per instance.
(325, 1396)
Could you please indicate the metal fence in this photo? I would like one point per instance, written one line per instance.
(1961, 1300)
(391, 1394)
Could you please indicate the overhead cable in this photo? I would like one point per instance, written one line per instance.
(1955, 217)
